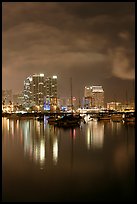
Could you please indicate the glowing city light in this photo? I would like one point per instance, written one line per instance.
(54, 77)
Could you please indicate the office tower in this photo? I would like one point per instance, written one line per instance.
(54, 91)
(38, 89)
(87, 90)
(97, 94)
(54, 87)
(51, 87)
(34, 90)
(28, 91)
(51, 91)
(88, 97)
(48, 87)
(94, 97)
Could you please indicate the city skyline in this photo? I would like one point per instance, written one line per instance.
(91, 42)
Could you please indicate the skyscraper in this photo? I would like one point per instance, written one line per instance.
(38, 89)
(97, 94)
(34, 90)
(88, 97)
(51, 90)
(54, 87)
(28, 91)
(94, 96)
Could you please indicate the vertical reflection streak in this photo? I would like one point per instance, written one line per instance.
(95, 134)
(42, 153)
(55, 151)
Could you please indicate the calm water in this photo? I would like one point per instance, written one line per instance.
(95, 162)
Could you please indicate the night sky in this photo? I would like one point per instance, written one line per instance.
(94, 43)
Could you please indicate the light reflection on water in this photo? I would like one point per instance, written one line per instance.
(91, 150)
(95, 134)
(37, 136)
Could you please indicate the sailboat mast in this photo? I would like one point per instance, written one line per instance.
(126, 99)
(71, 95)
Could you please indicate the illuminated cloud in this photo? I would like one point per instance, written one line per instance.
(123, 64)
(67, 39)
(124, 35)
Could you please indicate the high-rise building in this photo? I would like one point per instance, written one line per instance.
(38, 89)
(87, 90)
(34, 90)
(51, 91)
(48, 87)
(94, 96)
(51, 86)
(54, 87)
(88, 97)
(28, 91)
(97, 93)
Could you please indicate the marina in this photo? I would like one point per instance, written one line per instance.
(68, 102)
(69, 118)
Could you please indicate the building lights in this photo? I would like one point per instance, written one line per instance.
(54, 77)
(41, 75)
(94, 96)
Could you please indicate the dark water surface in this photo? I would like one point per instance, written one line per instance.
(40, 162)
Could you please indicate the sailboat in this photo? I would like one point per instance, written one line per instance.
(129, 117)
(69, 120)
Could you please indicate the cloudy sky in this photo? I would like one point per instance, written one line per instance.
(94, 43)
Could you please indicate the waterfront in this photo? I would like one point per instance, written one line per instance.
(40, 162)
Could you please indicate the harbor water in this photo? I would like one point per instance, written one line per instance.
(93, 162)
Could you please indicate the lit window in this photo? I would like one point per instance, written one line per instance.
(54, 77)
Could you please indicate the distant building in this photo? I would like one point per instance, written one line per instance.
(97, 96)
(7, 96)
(119, 106)
(40, 91)
(18, 99)
(94, 96)
(114, 106)
(51, 91)
(48, 86)
(28, 91)
(34, 90)
(66, 103)
(88, 97)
